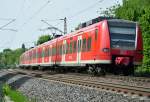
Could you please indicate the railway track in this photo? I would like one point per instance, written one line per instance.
(100, 85)
(130, 78)
(117, 77)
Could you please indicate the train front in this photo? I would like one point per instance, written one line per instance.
(126, 42)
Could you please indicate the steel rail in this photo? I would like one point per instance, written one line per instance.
(119, 88)
(108, 86)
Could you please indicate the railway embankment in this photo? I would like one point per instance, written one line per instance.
(44, 90)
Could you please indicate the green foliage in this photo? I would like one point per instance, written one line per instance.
(14, 95)
(23, 47)
(110, 12)
(44, 38)
(145, 23)
(132, 9)
(10, 58)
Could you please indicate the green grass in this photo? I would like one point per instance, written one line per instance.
(143, 71)
(14, 95)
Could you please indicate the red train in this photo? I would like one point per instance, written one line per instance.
(102, 44)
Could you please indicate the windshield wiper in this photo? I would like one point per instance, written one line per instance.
(116, 42)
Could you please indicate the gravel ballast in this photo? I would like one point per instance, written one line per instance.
(51, 91)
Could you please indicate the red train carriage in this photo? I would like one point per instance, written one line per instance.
(96, 45)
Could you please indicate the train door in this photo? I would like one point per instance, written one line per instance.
(50, 54)
(43, 54)
(79, 49)
(64, 52)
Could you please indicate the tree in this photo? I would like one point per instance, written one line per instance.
(9, 58)
(23, 48)
(110, 12)
(43, 39)
(145, 23)
(7, 50)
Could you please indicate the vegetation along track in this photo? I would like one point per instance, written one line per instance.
(91, 82)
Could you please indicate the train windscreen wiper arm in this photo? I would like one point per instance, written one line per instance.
(116, 42)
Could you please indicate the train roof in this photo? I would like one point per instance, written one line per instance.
(87, 25)
(109, 19)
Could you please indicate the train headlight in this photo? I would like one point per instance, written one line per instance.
(106, 50)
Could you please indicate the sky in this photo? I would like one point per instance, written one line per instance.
(27, 15)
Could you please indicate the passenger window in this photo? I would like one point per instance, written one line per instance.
(50, 53)
(71, 47)
(47, 52)
(89, 44)
(75, 46)
(30, 55)
(34, 54)
(96, 34)
(84, 45)
(57, 50)
(39, 53)
(54, 50)
(64, 49)
(61, 50)
(79, 45)
(67, 48)
(43, 52)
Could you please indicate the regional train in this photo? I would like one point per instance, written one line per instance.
(99, 45)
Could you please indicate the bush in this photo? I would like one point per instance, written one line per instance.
(14, 95)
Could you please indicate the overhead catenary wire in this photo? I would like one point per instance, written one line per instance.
(17, 16)
(36, 13)
(54, 20)
(71, 17)
(6, 19)
(9, 29)
(84, 10)
(14, 30)
(7, 23)
(51, 20)
(78, 13)
(52, 27)
(3, 28)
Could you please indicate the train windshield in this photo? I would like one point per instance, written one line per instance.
(122, 34)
